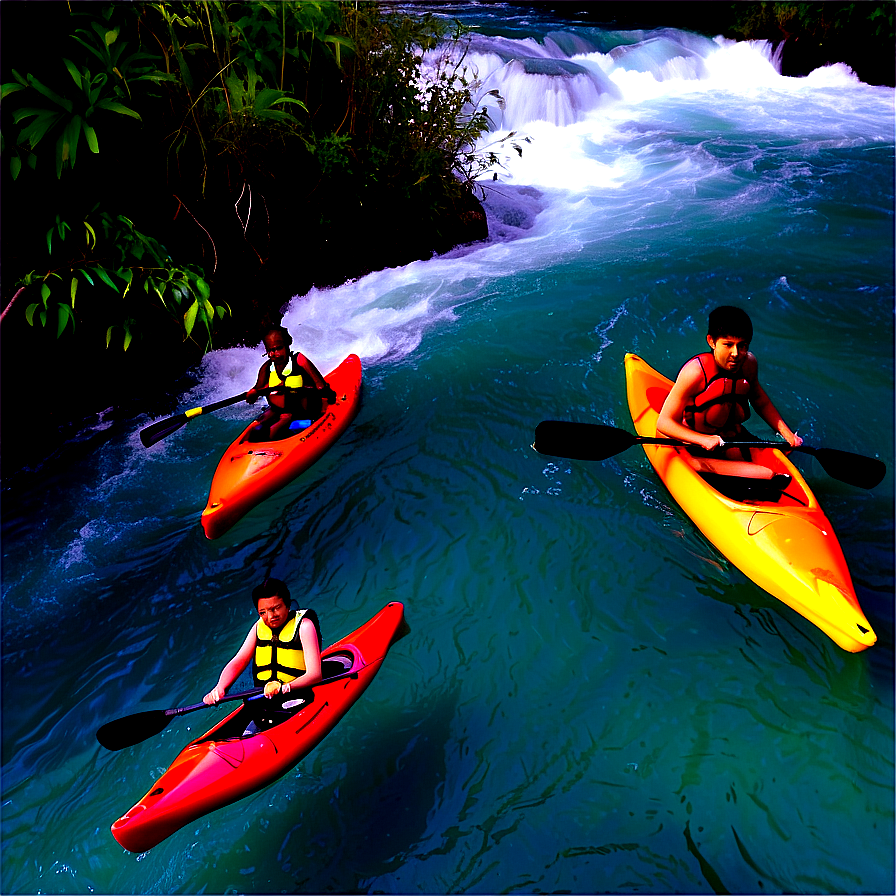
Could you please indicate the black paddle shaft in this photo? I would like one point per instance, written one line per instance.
(134, 729)
(595, 441)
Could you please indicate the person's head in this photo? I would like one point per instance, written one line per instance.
(277, 342)
(729, 334)
(272, 600)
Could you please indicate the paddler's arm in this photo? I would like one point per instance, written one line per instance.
(315, 376)
(311, 650)
(232, 671)
(260, 383)
(671, 419)
(767, 410)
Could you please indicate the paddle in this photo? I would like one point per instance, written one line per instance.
(161, 429)
(593, 441)
(155, 432)
(133, 729)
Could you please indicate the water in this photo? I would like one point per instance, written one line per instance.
(591, 699)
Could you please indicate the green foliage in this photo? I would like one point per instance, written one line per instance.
(412, 118)
(817, 20)
(349, 105)
(72, 110)
(228, 54)
(126, 271)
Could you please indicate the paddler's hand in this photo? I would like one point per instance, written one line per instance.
(271, 689)
(252, 396)
(711, 442)
(213, 696)
(794, 440)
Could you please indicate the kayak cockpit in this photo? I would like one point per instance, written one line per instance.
(259, 714)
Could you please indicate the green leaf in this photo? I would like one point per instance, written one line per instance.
(190, 317)
(10, 87)
(91, 236)
(38, 129)
(74, 289)
(15, 166)
(87, 276)
(104, 276)
(29, 313)
(113, 106)
(50, 94)
(45, 293)
(90, 136)
(128, 336)
(73, 71)
(202, 287)
(64, 315)
(109, 335)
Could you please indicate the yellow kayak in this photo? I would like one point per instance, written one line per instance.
(786, 546)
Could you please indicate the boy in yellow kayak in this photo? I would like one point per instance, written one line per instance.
(712, 397)
(293, 371)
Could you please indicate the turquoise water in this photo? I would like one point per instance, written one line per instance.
(591, 699)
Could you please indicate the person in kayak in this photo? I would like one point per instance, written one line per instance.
(293, 371)
(711, 399)
(283, 646)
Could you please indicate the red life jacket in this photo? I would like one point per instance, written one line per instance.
(722, 404)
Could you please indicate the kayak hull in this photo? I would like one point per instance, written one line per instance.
(787, 547)
(250, 472)
(222, 766)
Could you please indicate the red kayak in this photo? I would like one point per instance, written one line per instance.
(249, 472)
(225, 764)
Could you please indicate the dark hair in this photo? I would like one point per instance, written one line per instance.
(727, 320)
(271, 588)
(280, 331)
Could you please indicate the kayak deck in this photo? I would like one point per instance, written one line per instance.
(783, 542)
(228, 763)
(250, 471)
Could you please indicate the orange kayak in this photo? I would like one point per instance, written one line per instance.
(249, 472)
(787, 545)
(225, 764)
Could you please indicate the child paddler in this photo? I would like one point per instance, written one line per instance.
(712, 397)
(292, 371)
(283, 646)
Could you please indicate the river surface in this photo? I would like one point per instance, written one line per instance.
(591, 699)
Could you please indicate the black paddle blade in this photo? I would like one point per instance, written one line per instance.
(155, 432)
(134, 729)
(854, 469)
(580, 441)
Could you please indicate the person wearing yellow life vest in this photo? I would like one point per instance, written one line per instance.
(290, 371)
(283, 646)
(711, 399)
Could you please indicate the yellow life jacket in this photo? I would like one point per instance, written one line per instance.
(280, 656)
(289, 379)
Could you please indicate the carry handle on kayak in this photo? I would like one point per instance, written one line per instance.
(594, 441)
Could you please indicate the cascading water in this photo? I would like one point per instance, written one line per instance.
(591, 698)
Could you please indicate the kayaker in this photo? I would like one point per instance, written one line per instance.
(283, 646)
(712, 397)
(293, 371)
